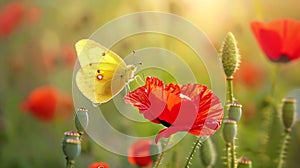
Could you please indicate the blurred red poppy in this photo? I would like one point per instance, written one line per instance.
(69, 55)
(139, 153)
(10, 17)
(188, 107)
(43, 102)
(250, 75)
(279, 39)
(33, 14)
(99, 165)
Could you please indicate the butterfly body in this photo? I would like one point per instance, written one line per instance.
(103, 73)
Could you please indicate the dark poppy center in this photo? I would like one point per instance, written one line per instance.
(283, 58)
(164, 123)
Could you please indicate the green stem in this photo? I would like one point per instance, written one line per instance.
(228, 155)
(70, 163)
(283, 148)
(230, 98)
(268, 113)
(162, 154)
(230, 162)
(233, 157)
(196, 146)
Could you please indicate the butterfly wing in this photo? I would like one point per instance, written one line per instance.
(98, 67)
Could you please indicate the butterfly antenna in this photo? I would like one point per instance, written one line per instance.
(139, 63)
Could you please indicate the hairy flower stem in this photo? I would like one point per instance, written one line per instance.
(231, 162)
(196, 146)
(268, 114)
(70, 163)
(283, 148)
(230, 98)
(228, 155)
(233, 157)
(162, 154)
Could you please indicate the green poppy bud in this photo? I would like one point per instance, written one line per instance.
(71, 145)
(208, 153)
(81, 120)
(244, 163)
(288, 112)
(155, 150)
(229, 130)
(235, 111)
(230, 55)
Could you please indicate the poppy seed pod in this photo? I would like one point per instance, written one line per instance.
(208, 153)
(244, 163)
(235, 111)
(71, 134)
(229, 130)
(230, 55)
(81, 120)
(71, 145)
(288, 112)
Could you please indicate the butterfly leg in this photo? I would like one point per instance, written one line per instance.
(127, 89)
(139, 80)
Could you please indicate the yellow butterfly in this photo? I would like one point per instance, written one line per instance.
(103, 73)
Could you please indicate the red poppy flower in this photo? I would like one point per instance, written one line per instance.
(189, 107)
(42, 102)
(45, 101)
(99, 165)
(10, 17)
(69, 55)
(250, 75)
(33, 14)
(278, 39)
(139, 153)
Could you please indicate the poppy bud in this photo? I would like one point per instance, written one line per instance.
(81, 120)
(235, 111)
(155, 150)
(244, 163)
(288, 112)
(229, 130)
(71, 145)
(230, 55)
(208, 153)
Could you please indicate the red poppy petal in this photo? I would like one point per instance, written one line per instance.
(167, 132)
(291, 39)
(99, 165)
(139, 153)
(138, 98)
(268, 39)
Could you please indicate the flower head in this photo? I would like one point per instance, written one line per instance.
(10, 17)
(188, 107)
(46, 101)
(279, 39)
(139, 153)
(99, 165)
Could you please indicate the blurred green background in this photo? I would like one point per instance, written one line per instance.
(39, 51)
